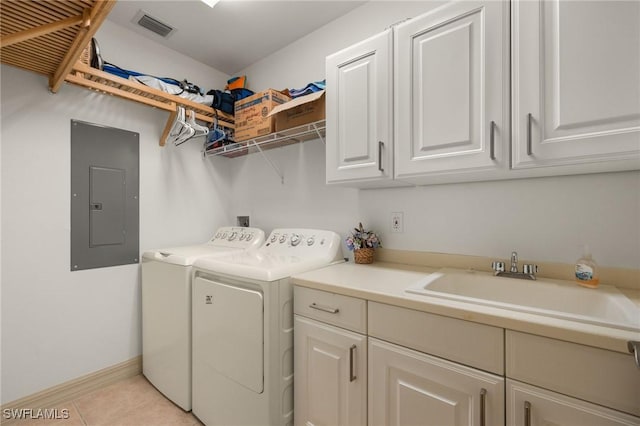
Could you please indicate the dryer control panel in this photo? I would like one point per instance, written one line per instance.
(238, 237)
(302, 242)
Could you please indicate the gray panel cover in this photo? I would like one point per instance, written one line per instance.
(104, 196)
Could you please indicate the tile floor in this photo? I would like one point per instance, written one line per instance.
(130, 402)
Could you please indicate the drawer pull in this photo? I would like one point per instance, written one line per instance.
(634, 348)
(380, 146)
(483, 407)
(527, 413)
(352, 360)
(324, 308)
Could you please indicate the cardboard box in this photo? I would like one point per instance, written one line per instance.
(303, 110)
(252, 114)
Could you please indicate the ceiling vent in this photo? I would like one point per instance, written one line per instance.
(152, 24)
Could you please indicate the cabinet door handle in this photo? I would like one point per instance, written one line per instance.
(483, 407)
(352, 360)
(527, 413)
(380, 147)
(634, 348)
(492, 139)
(324, 308)
(529, 147)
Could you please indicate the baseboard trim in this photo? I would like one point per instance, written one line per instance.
(53, 396)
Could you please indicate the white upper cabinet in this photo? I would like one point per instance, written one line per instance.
(452, 93)
(576, 86)
(484, 90)
(359, 112)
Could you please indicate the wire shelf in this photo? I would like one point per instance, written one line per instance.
(315, 130)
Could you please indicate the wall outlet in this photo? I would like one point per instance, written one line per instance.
(397, 222)
(242, 221)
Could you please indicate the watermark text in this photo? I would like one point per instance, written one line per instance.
(35, 413)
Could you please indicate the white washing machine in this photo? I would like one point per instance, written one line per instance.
(243, 328)
(166, 308)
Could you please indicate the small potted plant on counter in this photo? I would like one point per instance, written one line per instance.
(363, 243)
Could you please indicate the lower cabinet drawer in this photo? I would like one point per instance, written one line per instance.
(336, 309)
(597, 375)
(469, 343)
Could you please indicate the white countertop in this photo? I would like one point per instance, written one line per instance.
(386, 282)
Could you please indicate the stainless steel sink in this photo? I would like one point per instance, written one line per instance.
(602, 306)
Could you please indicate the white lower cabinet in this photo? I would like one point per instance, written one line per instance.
(330, 375)
(362, 362)
(407, 387)
(532, 406)
(330, 363)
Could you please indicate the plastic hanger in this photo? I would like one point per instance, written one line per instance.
(199, 130)
(215, 134)
(185, 131)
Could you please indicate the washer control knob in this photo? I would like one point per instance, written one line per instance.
(224, 235)
(242, 237)
(274, 237)
(295, 239)
(283, 238)
(249, 237)
(310, 241)
(218, 235)
(233, 236)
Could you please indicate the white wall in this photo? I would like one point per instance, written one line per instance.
(58, 325)
(545, 219)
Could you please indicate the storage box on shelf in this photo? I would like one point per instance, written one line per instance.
(252, 114)
(299, 111)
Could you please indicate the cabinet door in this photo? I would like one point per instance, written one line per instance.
(330, 382)
(452, 93)
(411, 388)
(359, 112)
(576, 85)
(531, 406)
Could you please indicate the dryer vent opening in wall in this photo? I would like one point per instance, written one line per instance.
(104, 196)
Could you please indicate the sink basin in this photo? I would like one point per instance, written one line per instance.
(602, 306)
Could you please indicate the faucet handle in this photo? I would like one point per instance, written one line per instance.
(530, 269)
(498, 266)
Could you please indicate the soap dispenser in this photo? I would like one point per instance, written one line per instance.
(587, 270)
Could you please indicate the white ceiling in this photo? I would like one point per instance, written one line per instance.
(235, 33)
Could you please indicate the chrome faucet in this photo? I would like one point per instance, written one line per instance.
(514, 262)
(529, 271)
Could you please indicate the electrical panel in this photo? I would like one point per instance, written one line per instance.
(104, 196)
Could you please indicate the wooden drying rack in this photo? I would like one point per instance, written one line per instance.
(51, 38)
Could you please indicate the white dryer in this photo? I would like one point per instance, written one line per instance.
(166, 308)
(243, 327)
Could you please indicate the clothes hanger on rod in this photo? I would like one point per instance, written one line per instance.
(215, 135)
(186, 131)
(199, 130)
